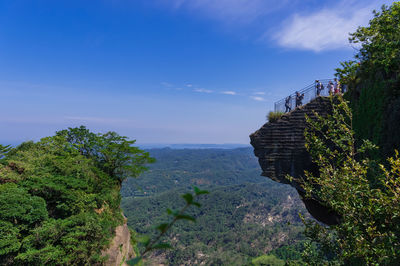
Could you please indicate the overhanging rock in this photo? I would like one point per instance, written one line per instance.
(280, 148)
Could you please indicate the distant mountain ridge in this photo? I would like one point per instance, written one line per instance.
(193, 146)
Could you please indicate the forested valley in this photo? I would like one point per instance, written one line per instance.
(244, 216)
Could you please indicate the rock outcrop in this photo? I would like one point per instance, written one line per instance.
(120, 249)
(280, 148)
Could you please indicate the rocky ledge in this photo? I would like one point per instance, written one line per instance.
(280, 148)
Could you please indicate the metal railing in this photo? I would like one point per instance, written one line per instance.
(310, 93)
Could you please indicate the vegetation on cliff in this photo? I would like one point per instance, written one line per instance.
(354, 180)
(59, 197)
(274, 116)
(364, 194)
(373, 80)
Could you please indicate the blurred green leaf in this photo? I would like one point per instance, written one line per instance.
(188, 198)
(163, 227)
(134, 261)
(185, 217)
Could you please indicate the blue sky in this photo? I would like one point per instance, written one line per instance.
(164, 71)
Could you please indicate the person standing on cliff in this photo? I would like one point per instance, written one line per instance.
(287, 104)
(319, 86)
(336, 86)
(331, 88)
(299, 98)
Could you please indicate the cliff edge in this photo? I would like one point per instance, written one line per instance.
(280, 148)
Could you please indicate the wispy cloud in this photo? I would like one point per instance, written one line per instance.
(203, 90)
(257, 98)
(166, 84)
(259, 93)
(239, 11)
(229, 92)
(326, 29)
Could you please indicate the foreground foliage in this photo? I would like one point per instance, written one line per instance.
(59, 197)
(365, 195)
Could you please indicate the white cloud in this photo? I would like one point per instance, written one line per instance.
(257, 98)
(326, 29)
(242, 11)
(259, 93)
(229, 92)
(189, 85)
(203, 90)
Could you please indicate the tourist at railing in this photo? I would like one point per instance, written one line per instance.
(319, 87)
(304, 96)
(331, 88)
(287, 104)
(336, 86)
(299, 99)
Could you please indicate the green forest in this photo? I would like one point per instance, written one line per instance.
(244, 216)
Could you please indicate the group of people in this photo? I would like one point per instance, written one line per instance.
(299, 101)
(334, 87)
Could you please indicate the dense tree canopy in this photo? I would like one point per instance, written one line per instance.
(112, 153)
(59, 197)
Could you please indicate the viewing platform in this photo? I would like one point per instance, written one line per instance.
(309, 92)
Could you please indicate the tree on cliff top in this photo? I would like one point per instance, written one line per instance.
(373, 79)
(114, 154)
(59, 197)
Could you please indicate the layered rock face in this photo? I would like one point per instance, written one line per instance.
(120, 249)
(280, 148)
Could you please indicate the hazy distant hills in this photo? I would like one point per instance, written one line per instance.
(147, 146)
(193, 146)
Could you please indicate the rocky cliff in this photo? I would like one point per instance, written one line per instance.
(280, 148)
(120, 249)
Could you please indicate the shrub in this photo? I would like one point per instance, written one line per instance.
(274, 116)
